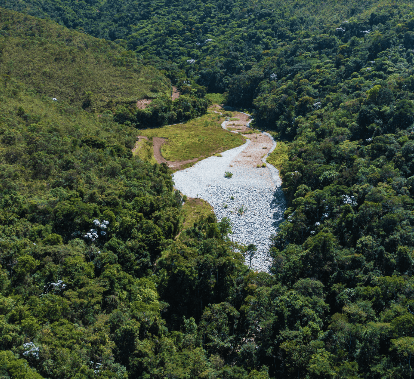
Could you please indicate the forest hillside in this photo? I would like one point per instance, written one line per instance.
(99, 278)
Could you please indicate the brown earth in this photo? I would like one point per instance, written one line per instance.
(258, 147)
(142, 104)
(252, 155)
(175, 94)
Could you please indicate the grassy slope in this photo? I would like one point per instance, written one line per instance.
(279, 155)
(193, 210)
(72, 66)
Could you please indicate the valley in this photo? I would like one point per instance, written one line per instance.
(206, 189)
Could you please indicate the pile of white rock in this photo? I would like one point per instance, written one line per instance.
(251, 198)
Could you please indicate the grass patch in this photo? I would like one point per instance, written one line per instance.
(279, 155)
(252, 131)
(216, 98)
(201, 137)
(145, 151)
(193, 210)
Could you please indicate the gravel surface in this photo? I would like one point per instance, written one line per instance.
(252, 198)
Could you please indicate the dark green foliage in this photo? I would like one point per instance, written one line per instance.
(72, 67)
(162, 111)
(147, 299)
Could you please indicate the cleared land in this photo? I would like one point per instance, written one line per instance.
(191, 141)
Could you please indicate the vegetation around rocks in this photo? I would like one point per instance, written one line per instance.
(98, 275)
(200, 137)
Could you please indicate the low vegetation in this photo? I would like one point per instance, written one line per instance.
(193, 211)
(93, 279)
(201, 137)
(279, 155)
(73, 67)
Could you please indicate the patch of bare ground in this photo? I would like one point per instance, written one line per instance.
(138, 143)
(175, 93)
(216, 108)
(252, 156)
(259, 146)
(157, 143)
(142, 104)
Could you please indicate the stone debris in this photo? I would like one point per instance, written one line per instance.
(252, 198)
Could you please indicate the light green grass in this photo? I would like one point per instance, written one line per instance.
(145, 152)
(201, 137)
(279, 155)
(216, 98)
(193, 210)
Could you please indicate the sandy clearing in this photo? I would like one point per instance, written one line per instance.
(175, 93)
(260, 143)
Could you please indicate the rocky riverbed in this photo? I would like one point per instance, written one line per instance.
(251, 197)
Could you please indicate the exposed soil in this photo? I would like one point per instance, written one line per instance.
(142, 104)
(157, 142)
(258, 147)
(175, 94)
(252, 155)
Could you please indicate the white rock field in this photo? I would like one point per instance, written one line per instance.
(252, 198)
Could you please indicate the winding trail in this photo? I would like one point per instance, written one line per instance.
(251, 198)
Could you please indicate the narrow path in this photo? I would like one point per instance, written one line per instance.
(157, 143)
(241, 186)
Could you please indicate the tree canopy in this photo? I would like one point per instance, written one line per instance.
(98, 276)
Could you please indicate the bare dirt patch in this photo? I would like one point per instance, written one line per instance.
(252, 156)
(175, 93)
(142, 104)
(259, 146)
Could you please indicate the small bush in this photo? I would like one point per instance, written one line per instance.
(228, 174)
(241, 210)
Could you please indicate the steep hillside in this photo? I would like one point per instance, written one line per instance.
(71, 66)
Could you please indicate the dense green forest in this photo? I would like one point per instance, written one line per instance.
(98, 278)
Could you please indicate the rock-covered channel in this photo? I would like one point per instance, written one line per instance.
(251, 198)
